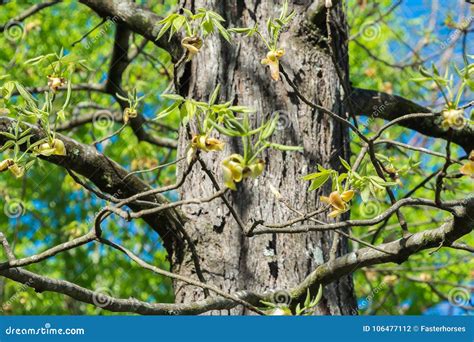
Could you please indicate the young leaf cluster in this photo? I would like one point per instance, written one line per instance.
(200, 24)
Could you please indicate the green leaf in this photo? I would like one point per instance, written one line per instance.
(225, 131)
(345, 164)
(319, 295)
(167, 111)
(286, 147)
(190, 109)
(164, 29)
(425, 73)
(224, 33)
(8, 135)
(240, 30)
(7, 145)
(308, 299)
(68, 95)
(270, 128)
(214, 95)
(365, 194)
(208, 27)
(178, 22)
(319, 181)
(173, 97)
(241, 109)
(235, 125)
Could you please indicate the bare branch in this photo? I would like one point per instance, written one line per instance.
(137, 19)
(401, 249)
(30, 11)
(389, 107)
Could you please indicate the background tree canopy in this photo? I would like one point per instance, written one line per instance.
(392, 46)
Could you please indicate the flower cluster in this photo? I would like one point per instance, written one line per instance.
(55, 82)
(192, 46)
(453, 118)
(235, 169)
(338, 201)
(14, 168)
(55, 147)
(205, 144)
(273, 61)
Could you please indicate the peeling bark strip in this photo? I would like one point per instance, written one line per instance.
(231, 260)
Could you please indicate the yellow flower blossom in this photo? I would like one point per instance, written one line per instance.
(273, 61)
(338, 201)
(234, 170)
(468, 168)
(204, 143)
(55, 82)
(453, 118)
(55, 148)
(192, 45)
(128, 114)
(201, 142)
(426, 277)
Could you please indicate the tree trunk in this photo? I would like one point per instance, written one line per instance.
(229, 259)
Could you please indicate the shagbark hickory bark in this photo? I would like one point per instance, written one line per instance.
(229, 259)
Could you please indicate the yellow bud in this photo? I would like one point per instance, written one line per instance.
(55, 148)
(18, 171)
(55, 82)
(5, 164)
(128, 114)
(390, 279)
(426, 277)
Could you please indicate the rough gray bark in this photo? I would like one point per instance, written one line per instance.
(229, 259)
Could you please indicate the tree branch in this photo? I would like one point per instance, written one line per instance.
(401, 250)
(29, 12)
(376, 104)
(106, 302)
(118, 64)
(109, 177)
(137, 19)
